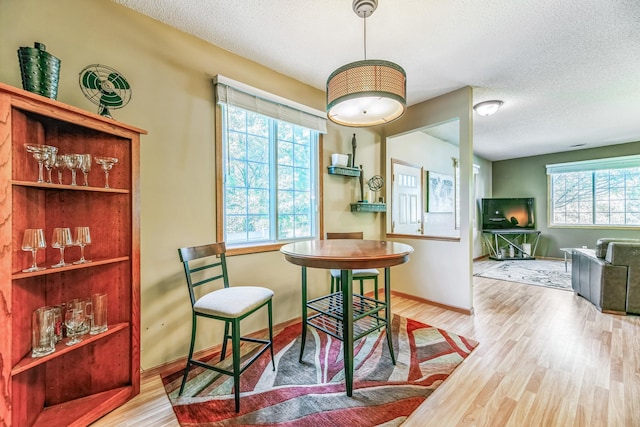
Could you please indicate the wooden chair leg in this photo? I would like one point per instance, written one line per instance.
(235, 343)
(193, 340)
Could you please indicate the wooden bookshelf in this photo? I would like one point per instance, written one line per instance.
(77, 384)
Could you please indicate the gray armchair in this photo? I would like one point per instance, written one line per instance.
(609, 276)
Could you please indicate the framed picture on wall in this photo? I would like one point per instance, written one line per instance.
(440, 193)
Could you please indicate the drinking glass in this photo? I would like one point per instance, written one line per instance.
(83, 238)
(106, 163)
(72, 162)
(99, 319)
(32, 241)
(43, 338)
(60, 240)
(85, 166)
(74, 319)
(49, 162)
(59, 165)
(40, 153)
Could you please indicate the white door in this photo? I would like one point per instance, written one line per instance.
(406, 198)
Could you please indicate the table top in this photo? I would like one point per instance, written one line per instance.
(510, 231)
(346, 254)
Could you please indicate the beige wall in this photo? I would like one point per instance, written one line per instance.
(441, 270)
(170, 74)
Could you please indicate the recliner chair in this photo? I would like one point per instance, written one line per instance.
(609, 276)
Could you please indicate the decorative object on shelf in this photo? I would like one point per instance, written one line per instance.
(99, 318)
(74, 319)
(40, 153)
(339, 160)
(488, 108)
(40, 71)
(83, 238)
(105, 87)
(61, 239)
(354, 145)
(375, 184)
(43, 339)
(440, 193)
(85, 167)
(369, 92)
(361, 176)
(106, 163)
(32, 241)
(50, 162)
(72, 162)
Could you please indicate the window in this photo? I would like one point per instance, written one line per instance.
(268, 170)
(603, 192)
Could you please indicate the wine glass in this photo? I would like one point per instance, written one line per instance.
(60, 240)
(74, 319)
(59, 165)
(85, 166)
(106, 163)
(32, 241)
(72, 162)
(49, 162)
(40, 153)
(83, 238)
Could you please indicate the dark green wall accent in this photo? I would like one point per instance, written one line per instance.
(526, 177)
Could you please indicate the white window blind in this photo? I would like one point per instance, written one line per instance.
(231, 92)
(623, 162)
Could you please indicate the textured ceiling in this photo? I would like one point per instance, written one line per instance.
(568, 71)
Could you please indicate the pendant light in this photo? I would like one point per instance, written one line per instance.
(369, 92)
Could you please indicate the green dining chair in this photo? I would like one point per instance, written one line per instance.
(359, 275)
(230, 304)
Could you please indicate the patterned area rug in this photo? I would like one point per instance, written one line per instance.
(548, 273)
(312, 393)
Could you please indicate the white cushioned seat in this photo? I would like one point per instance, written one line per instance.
(232, 302)
(357, 273)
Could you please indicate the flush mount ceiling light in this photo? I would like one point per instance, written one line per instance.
(369, 92)
(487, 108)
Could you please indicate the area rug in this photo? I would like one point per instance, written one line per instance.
(548, 273)
(312, 392)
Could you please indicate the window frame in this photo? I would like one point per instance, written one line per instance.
(219, 164)
(590, 167)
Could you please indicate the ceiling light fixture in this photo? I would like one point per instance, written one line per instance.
(369, 92)
(487, 108)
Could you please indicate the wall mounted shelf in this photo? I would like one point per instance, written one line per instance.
(343, 170)
(368, 207)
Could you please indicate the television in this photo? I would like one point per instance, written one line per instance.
(508, 213)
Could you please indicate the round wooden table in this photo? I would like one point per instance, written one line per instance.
(347, 255)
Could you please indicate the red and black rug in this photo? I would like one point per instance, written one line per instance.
(312, 393)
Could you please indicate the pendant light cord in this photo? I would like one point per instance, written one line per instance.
(365, 37)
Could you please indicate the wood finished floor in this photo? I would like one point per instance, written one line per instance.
(546, 358)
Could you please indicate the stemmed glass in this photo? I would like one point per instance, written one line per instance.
(32, 241)
(61, 239)
(85, 166)
(83, 238)
(72, 162)
(106, 163)
(40, 153)
(59, 165)
(50, 161)
(74, 319)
